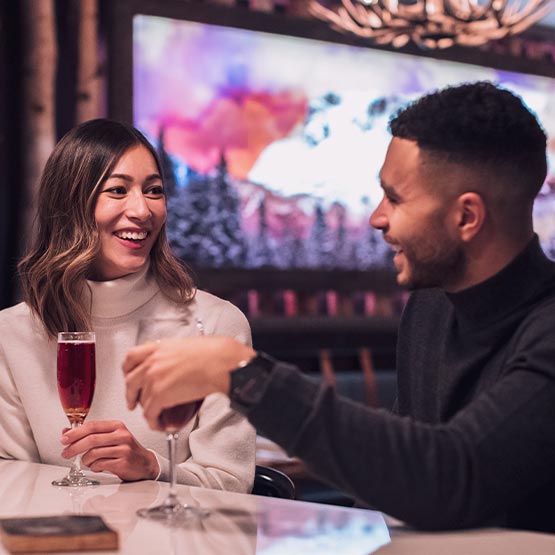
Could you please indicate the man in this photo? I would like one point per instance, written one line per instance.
(472, 442)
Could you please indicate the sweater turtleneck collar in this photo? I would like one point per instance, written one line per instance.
(513, 286)
(119, 297)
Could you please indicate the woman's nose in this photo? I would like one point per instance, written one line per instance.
(137, 207)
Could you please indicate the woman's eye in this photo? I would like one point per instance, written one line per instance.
(155, 191)
(116, 190)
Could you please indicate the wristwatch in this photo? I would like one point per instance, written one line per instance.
(250, 380)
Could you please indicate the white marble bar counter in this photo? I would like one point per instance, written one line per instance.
(241, 524)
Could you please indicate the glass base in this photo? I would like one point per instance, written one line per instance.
(75, 480)
(173, 513)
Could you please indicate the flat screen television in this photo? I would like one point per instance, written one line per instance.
(272, 142)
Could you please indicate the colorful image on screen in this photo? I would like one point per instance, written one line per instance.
(272, 144)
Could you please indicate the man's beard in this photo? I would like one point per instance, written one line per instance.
(440, 263)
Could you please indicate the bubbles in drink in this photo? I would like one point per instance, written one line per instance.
(76, 377)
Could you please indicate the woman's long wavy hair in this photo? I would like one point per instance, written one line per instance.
(54, 270)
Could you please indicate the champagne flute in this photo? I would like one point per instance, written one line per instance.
(76, 377)
(171, 420)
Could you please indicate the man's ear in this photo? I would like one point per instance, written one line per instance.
(471, 215)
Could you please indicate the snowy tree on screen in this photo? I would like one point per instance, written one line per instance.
(292, 250)
(189, 219)
(370, 250)
(228, 233)
(168, 170)
(261, 252)
(319, 244)
(206, 222)
(342, 246)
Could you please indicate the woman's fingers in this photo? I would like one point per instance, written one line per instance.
(92, 434)
(105, 452)
(110, 446)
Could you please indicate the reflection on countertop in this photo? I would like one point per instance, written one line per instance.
(238, 524)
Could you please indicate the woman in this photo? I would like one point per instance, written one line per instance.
(101, 261)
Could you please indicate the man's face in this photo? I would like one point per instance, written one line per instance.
(414, 218)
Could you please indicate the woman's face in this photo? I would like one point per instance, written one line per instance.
(130, 212)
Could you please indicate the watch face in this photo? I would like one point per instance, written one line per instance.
(249, 382)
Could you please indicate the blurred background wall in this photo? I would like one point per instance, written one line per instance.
(51, 78)
(53, 75)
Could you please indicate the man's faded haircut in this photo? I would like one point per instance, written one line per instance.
(482, 127)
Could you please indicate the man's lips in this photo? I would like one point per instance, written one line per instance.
(398, 253)
(394, 247)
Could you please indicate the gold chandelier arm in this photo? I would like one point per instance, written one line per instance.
(527, 21)
(515, 14)
(433, 23)
(466, 10)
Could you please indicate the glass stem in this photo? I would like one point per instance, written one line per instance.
(75, 469)
(172, 495)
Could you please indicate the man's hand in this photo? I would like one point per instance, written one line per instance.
(107, 445)
(175, 371)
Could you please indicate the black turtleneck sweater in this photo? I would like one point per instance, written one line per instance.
(473, 440)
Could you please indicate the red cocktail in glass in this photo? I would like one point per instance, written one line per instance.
(76, 377)
(172, 420)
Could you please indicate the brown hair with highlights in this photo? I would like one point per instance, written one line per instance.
(54, 270)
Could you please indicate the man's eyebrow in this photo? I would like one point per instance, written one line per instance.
(387, 189)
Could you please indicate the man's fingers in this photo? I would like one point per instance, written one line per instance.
(134, 382)
(134, 367)
(137, 355)
(151, 411)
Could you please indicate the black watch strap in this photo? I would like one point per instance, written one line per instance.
(249, 381)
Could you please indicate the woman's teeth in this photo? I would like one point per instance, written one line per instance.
(132, 235)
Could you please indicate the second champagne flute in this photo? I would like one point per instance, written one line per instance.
(172, 420)
(76, 376)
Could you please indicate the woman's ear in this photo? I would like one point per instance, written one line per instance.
(471, 215)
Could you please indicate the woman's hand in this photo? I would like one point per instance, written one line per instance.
(175, 371)
(107, 445)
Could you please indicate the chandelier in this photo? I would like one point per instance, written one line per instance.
(432, 23)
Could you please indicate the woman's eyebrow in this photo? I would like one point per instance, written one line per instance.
(129, 178)
(123, 176)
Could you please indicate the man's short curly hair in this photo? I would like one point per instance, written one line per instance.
(481, 126)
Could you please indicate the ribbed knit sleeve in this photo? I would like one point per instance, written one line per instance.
(467, 472)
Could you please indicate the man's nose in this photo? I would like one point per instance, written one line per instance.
(378, 219)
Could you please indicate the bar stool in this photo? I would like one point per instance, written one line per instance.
(272, 483)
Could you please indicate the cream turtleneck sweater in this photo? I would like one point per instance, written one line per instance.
(215, 450)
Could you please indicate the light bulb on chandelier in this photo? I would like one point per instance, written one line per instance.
(432, 23)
